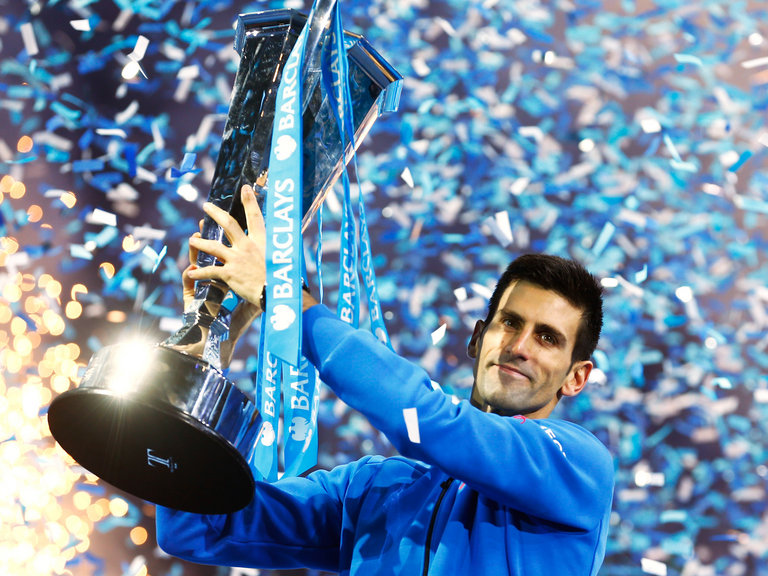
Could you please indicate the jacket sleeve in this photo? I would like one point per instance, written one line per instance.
(295, 522)
(547, 468)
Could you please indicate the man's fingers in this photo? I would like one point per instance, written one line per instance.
(205, 273)
(212, 247)
(224, 219)
(192, 250)
(253, 215)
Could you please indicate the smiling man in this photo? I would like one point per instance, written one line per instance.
(491, 487)
(533, 348)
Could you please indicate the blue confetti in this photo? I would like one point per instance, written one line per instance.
(629, 138)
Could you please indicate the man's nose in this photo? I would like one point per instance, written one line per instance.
(520, 343)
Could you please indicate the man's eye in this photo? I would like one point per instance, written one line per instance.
(548, 338)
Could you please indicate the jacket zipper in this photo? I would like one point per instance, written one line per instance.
(445, 484)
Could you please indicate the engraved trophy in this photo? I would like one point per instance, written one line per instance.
(164, 423)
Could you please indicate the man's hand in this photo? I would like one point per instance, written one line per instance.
(187, 283)
(243, 266)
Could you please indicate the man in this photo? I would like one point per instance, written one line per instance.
(491, 487)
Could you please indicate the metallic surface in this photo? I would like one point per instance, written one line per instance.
(161, 425)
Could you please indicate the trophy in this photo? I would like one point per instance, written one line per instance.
(164, 423)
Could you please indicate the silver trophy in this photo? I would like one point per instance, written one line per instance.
(164, 423)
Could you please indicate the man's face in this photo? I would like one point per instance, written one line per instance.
(523, 356)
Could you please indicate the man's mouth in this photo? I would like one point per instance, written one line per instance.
(512, 371)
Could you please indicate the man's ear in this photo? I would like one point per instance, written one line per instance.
(577, 378)
(474, 343)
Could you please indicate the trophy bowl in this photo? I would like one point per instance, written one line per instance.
(161, 425)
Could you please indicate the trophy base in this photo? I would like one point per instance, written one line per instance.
(177, 436)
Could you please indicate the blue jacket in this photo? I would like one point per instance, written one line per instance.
(478, 494)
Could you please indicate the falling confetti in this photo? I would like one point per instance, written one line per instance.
(629, 137)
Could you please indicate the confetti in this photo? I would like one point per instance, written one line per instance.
(29, 38)
(630, 139)
(653, 567)
(83, 25)
(412, 424)
(99, 216)
(439, 334)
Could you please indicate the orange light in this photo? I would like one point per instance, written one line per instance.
(9, 244)
(68, 199)
(78, 289)
(24, 144)
(116, 316)
(27, 282)
(109, 269)
(139, 535)
(18, 189)
(18, 326)
(118, 507)
(73, 310)
(34, 213)
(6, 182)
(12, 292)
(53, 289)
(5, 314)
(130, 245)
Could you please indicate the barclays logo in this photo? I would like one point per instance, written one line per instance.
(283, 317)
(267, 434)
(286, 146)
(299, 428)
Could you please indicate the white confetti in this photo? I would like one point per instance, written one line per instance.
(148, 233)
(755, 63)
(111, 132)
(500, 227)
(102, 217)
(650, 125)
(439, 334)
(531, 132)
(81, 25)
(645, 478)
(128, 113)
(122, 19)
(407, 177)
(480, 290)
(28, 36)
(653, 567)
(140, 49)
(519, 186)
(412, 424)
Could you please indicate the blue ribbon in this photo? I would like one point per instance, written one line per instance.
(283, 214)
(281, 364)
(336, 78)
(300, 417)
(263, 460)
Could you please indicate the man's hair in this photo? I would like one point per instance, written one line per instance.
(570, 280)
